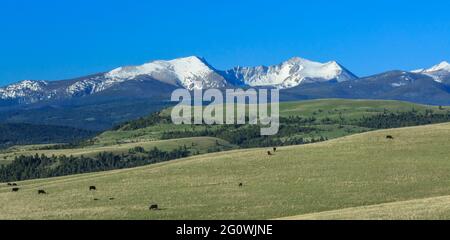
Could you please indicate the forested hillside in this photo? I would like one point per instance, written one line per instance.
(22, 134)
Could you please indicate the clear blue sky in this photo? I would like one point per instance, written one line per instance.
(61, 39)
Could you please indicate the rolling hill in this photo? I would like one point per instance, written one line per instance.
(196, 145)
(354, 171)
(426, 208)
(24, 134)
(328, 118)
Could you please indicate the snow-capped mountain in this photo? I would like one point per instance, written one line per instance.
(189, 72)
(183, 71)
(99, 101)
(290, 73)
(439, 72)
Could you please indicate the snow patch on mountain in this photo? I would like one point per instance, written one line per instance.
(399, 84)
(437, 72)
(22, 89)
(290, 73)
(92, 85)
(443, 66)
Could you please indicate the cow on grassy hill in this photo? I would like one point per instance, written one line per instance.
(153, 207)
(41, 191)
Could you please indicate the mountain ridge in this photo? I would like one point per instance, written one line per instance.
(100, 101)
(186, 72)
(181, 72)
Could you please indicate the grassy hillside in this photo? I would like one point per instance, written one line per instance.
(328, 118)
(350, 109)
(195, 145)
(360, 170)
(426, 208)
(301, 123)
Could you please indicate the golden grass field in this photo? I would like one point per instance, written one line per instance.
(363, 176)
(426, 208)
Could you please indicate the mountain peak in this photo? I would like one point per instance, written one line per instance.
(439, 72)
(290, 73)
(297, 60)
(180, 71)
(191, 58)
(444, 65)
(304, 61)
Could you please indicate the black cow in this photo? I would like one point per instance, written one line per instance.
(153, 207)
(41, 191)
(92, 188)
(16, 189)
(274, 149)
(269, 153)
(240, 184)
(389, 137)
(11, 184)
(111, 198)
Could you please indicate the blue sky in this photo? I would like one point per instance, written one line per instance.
(52, 40)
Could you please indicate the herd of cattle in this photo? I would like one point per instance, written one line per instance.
(41, 191)
(91, 188)
(152, 206)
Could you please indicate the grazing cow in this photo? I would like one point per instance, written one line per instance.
(41, 191)
(153, 207)
(389, 137)
(13, 184)
(9, 184)
(269, 153)
(240, 184)
(274, 149)
(92, 188)
(111, 198)
(16, 189)
(95, 199)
